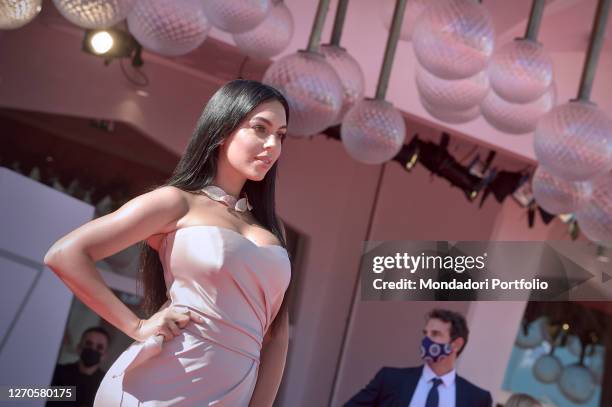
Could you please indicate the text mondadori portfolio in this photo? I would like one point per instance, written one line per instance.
(469, 284)
(457, 264)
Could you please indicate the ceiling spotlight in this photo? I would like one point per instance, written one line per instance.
(112, 43)
(408, 156)
(101, 42)
(523, 193)
(504, 184)
(438, 160)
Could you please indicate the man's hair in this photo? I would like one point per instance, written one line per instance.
(458, 328)
(99, 330)
(522, 400)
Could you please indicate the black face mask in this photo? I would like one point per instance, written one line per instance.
(90, 357)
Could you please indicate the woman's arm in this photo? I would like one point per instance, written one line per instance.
(271, 364)
(73, 256)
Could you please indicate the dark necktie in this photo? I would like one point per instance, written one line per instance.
(433, 397)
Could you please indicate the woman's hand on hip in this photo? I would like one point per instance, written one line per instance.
(167, 322)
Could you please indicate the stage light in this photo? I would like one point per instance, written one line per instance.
(112, 43)
(438, 160)
(408, 156)
(503, 184)
(101, 42)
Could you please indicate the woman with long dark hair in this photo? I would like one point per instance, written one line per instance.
(214, 265)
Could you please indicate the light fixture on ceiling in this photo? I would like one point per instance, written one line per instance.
(112, 43)
(408, 156)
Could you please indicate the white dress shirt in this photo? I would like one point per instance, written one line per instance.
(446, 389)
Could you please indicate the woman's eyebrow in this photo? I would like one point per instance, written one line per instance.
(268, 122)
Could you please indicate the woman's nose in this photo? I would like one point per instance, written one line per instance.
(272, 140)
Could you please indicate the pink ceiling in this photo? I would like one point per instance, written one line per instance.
(43, 69)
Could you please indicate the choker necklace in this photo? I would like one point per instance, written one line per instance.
(218, 194)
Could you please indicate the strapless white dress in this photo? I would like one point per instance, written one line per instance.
(237, 286)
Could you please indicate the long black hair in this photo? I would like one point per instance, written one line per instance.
(197, 168)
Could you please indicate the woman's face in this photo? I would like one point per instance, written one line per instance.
(255, 145)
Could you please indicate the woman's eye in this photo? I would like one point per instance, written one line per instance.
(258, 128)
(282, 136)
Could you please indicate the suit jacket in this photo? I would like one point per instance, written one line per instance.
(394, 387)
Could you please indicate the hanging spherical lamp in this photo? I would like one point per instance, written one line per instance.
(595, 216)
(574, 141)
(236, 16)
(557, 195)
(270, 37)
(350, 74)
(516, 118)
(547, 368)
(414, 8)
(454, 39)
(577, 383)
(169, 27)
(596, 362)
(457, 94)
(534, 335)
(521, 71)
(17, 13)
(312, 88)
(574, 345)
(449, 115)
(373, 131)
(94, 14)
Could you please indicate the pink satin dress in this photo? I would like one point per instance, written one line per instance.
(237, 286)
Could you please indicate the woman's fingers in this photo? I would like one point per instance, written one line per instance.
(176, 331)
(195, 317)
(165, 332)
(184, 314)
(174, 319)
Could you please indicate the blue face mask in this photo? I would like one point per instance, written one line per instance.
(433, 351)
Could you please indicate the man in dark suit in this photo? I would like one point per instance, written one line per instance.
(433, 384)
(86, 373)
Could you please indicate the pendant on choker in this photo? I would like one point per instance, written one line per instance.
(218, 194)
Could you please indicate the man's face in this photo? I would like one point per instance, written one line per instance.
(95, 341)
(437, 330)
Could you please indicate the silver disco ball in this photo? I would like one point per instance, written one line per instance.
(595, 216)
(574, 141)
(236, 16)
(373, 131)
(270, 37)
(17, 13)
(452, 94)
(556, 195)
(516, 118)
(351, 76)
(94, 14)
(450, 115)
(312, 88)
(454, 39)
(521, 71)
(169, 27)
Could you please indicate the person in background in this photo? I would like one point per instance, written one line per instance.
(85, 373)
(522, 400)
(433, 384)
